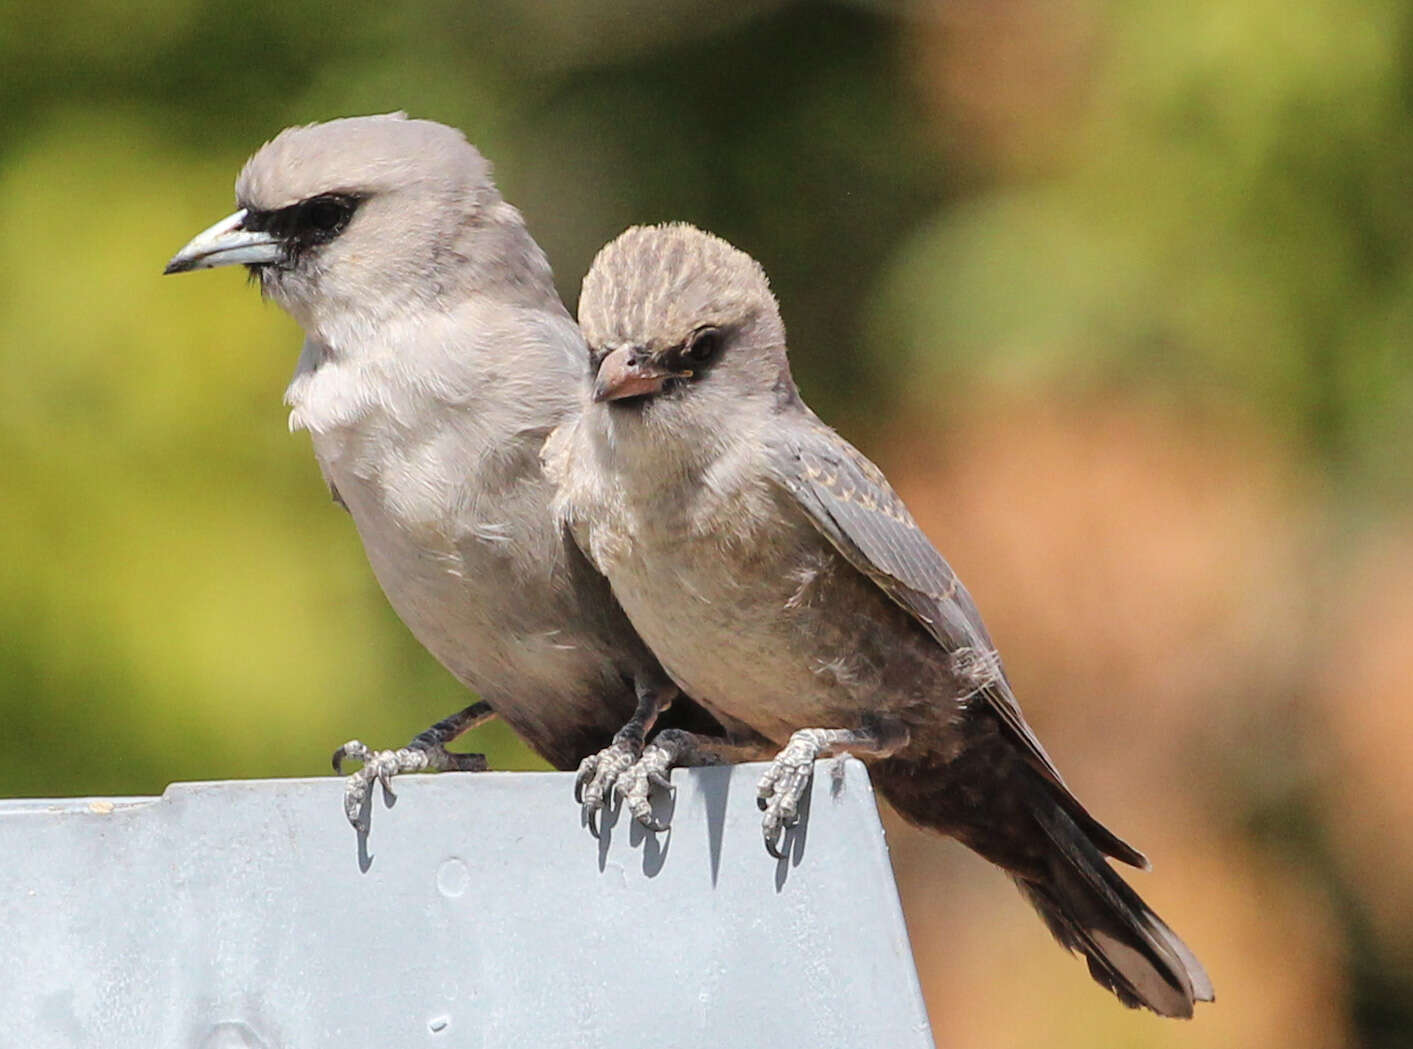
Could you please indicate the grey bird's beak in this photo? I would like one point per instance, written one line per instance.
(629, 372)
(227, 243)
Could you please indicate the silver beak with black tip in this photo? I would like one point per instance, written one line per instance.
(227, 243)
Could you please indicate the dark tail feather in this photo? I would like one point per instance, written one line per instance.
(1105, 840)
(1090, 909)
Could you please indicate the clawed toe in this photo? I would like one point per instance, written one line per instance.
(597, 776)
(635, 786)
(353, 750)
(383, 765)
(782, 788)
(606, 776)
(781, 813)
(628, 774)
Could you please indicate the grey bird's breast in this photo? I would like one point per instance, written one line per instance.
(454, 514)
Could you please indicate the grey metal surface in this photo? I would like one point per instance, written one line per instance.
(479, 912)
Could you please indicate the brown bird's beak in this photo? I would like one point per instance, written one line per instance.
(630, 372)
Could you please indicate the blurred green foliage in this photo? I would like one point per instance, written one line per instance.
(1229, 216)
(1204, 206)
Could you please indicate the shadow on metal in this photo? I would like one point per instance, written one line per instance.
(478, 912)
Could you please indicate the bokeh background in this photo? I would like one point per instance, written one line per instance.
(1120, 292)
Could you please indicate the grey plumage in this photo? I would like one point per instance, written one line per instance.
(437, 359)
(782, 582)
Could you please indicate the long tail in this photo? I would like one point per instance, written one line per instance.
(994, 802)
(1090, 909)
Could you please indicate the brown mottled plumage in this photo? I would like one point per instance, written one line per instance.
(781, 581)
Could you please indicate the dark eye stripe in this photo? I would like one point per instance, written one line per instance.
(309, 223)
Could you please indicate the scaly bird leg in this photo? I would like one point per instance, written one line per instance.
(670, 749)
(426, 753)
(785, 782)
(593, 784)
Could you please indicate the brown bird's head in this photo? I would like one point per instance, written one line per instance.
(680, 325)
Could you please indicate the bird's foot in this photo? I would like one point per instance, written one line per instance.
(784, 784)
(426, 753)
(382, 765)
(598, 774)
(670, 749)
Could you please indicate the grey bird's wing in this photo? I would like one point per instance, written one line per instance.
(853, 506)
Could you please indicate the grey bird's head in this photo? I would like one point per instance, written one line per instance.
(353, 223)
(684, 331)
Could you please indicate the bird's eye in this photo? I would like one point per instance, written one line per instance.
(703, 345)
(326, 215)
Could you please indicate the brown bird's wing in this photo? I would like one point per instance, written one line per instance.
(851, 503)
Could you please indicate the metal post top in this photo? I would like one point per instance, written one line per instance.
(478, 911)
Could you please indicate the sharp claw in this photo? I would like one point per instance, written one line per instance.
(772, 846)
(641, 808)
(353, 750)
(780, 792)
(353, 804)
(623, 775)
(383, 766)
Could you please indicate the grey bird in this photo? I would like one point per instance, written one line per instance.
(782, 583)
(437, 359)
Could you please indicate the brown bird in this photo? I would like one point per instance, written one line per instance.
(782, 583)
